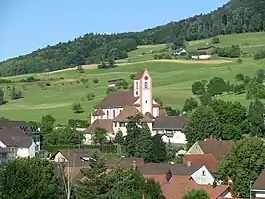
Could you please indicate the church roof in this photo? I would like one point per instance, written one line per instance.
(117, 99)
(139, 74)
(130, 111)
(98, 112)
(100, 123)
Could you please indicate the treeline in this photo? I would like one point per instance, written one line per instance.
(234, 17)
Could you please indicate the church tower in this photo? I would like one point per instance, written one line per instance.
(143, 90)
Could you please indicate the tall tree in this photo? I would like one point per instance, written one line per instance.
(119, 139)
(243, 164)
(159, 151)
(256, 118)
(190, 104)
(27, 178)
(205, 98)
(198, 88)
(100, 135)
(202, 124)
(217, 86)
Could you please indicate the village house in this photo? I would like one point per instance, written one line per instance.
(218, 148)
(115, 82)
(180, 51)
(113, 111)
(177, 189)
(16, 143)
(207, 50)
(28, 129)
(163, 172)
(259, 186)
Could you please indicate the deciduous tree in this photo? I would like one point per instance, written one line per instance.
(198, 88)
(217, 86)
(205, 98)
(243, 164)
(30, 178)
(100, 135)
(190, 105)
(196, 194)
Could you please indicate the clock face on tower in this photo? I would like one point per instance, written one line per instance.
(146, 78)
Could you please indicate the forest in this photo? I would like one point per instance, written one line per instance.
(237, 16)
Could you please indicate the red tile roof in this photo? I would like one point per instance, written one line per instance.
(176, 190)
(139, 74)
(203, 159)
(130, 111)
(100, 123)
(162, 178)
(218, 148)
(260, 182)
(117, 99)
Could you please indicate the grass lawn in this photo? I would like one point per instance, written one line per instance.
(171, 83)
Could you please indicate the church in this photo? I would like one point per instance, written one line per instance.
(113, 111)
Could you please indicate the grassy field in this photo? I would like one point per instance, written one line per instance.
(172, 81)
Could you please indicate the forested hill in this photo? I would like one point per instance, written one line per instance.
(237, 16)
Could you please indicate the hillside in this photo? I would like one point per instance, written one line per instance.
(238, 16)
(172, 80)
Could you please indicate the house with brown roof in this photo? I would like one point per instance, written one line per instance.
(176, 190)
(115, 82)
(163, 172)
(171, 127)
(259, 185)
(202, 159)
(218, 148)
(16, 143)
(113, 111)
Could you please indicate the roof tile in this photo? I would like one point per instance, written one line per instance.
(100, 123)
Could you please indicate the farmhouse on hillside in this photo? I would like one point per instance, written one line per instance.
(207, 50)
(115, 82)
(113, 111)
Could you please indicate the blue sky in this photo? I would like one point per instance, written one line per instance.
(32, 24)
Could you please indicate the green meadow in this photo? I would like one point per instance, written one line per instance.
(172, 81)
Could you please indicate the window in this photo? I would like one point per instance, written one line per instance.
(203, 173)
(137, 85)
(146, 85)
(107, 114)
(113, 113)
(146, 101)
(169, 134)
(122, 124)
(136, 93)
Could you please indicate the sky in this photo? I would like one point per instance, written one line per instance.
(28, 25)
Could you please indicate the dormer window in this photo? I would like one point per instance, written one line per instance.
(146, 85)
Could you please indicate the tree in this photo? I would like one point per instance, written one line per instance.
(250, 152)
(80, 69)
(196, 194)
(178, 42)
(260, 76)
(159, 101)
(47, 125)
(190, 105)
(29, 178)
(132, 76)
(159, 152)
(100, 135)
(255, 118)
(77, 108)
(231, 132)
(240, 77)
(198, 88)
(217, 86)
(2, 96)
(202, 124)
(15, 94)
(205, 98)
(172, 112)
(119, 139)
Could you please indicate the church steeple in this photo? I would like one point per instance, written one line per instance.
(143, 89)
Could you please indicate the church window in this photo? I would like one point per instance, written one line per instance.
(137, 86)
(146, 85)
(146, 78)
(107, 114)
(136, 92)
(113, 113)
(146, 101)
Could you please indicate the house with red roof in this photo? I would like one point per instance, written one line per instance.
(258, 187)
(113, 111)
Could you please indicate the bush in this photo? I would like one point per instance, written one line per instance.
(74, 123)
(232, 52)
(29, 79)
(95, 81)
(259, 55)
(77, 108)
(111, 89)
(215, 40)
(90, 96)
(239, 61)
(15, 94)
(47, 84)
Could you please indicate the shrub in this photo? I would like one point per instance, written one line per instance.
(95, 81)
(74, 123)
(259, 55)
(215, 40)
(47, 84)
(239, 61)
(90, 96)
(77, 108)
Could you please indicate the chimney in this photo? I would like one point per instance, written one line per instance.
(188, 163)
(214, 184)
(169, 176)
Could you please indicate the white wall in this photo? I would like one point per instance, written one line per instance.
(2, 145)
(155, 111)
(26, 152)
(147, 99)
(110, 115)
(259, 193)
(199, 178)
(178, 137)
(124, 130)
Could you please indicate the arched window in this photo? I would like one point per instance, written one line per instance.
(113, 114)
(137, 86)
(146, 85)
